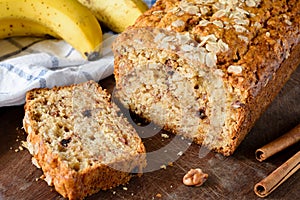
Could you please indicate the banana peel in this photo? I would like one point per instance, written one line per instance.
(68, 19)
(14, 27)
(117, 15)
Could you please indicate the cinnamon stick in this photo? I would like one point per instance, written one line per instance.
(286, 140)
(278, 176)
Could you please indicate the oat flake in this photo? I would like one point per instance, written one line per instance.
(235, 69)
(178, 23)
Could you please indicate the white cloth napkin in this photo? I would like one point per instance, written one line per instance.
(27, 63)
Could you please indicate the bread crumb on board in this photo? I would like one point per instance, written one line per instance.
(163, 167)
(164, 135)
(18, 139)
(158, 195)
(180, 153)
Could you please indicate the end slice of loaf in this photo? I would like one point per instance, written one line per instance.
(207, 70)
(80, 140)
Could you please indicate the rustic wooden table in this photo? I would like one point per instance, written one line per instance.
(229, 177)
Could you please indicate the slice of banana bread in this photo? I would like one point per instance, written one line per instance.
(80, 140)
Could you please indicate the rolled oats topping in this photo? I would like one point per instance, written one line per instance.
(211, 59)
(174, 10)
(218, 23)
(189, 7)
(250, 3)
(212, 46)
(206, 38)
(187, 48)
(253, 3)
(222, 46)
(219, 14)
(193, 10)
(207, 23)
(157, 12)
(205, 52)
(287, 19)
(204, 10)
(243, 22)
(243, 38)
(235, 69)
(240, 29)
(288, 22)
(178, 23)
(257, 25)
(222, 14)
(219, 72)
(204, 22)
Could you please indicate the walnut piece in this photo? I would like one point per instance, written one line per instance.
(194, 177)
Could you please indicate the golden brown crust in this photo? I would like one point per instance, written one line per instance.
(260, 41)
(259, 104)
(269, 44)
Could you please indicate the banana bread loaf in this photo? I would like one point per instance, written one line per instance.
(80, 140)
(207, 69)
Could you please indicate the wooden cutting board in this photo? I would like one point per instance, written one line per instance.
(229, 177)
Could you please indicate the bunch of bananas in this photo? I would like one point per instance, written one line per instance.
(74, 21)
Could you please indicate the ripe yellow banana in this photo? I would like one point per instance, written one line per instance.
(116, 14)
(67, 18)
(11, 27)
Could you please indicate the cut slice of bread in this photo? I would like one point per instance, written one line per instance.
(80, 139)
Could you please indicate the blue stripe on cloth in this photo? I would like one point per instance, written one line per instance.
(19, 47)
(149, 2)
(24, 75)
(69, 52)
(54, 61)
(43, 83)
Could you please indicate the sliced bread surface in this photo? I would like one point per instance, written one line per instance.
(80, 139)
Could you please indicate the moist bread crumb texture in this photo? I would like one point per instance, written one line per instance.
(207, 69)
(80, 139)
